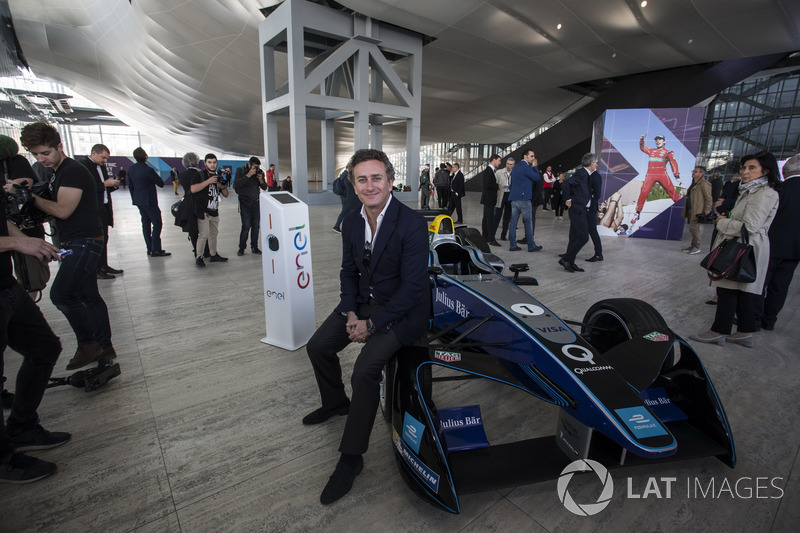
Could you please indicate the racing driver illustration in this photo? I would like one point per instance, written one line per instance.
(657, 172)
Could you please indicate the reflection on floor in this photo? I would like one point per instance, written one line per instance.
(202, 432)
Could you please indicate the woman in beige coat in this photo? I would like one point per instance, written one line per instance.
(755, 209)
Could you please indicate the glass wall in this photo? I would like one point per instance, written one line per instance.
(760, 113)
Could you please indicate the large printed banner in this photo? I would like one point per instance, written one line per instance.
(646, 161)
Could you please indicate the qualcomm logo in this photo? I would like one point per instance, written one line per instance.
(586, 509)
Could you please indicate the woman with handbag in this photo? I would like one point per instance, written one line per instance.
(754, 210)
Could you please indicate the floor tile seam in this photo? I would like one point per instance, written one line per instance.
(240, 481)
(533, 518)
(786, 484)
(150, 402)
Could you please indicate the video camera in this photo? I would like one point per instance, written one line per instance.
(224, 177)
(20, 208)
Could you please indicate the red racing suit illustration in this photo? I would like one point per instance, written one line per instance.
(657, 171)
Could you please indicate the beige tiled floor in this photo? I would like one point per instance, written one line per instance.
(202, 433)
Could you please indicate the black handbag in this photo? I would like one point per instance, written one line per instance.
(733, 259)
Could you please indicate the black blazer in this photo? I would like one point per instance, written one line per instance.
(489, 181)
(784, 233)
(397, 275)
(577, 188)
(106, 209)
(596, 186)
(457, 185)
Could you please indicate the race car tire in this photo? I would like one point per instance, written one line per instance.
(387, 388)
(611, 322)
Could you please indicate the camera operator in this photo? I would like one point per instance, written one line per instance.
(25, 330)
(206, 191)
(248, 185)
(74, 205)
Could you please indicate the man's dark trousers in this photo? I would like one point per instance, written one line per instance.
(331, 338)
(591, 223)
(24, 329)
(578, 232)
(776, 288)
(455, 207)
(251, 219)
(151, 226)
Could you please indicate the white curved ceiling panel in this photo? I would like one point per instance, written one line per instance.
(187, 71)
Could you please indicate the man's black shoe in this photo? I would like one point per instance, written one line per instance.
(160, 253)
(494, 243)
(240, 253)
(522, 241)
(19, 468)
(321, 415)
(566, 264)
(256, 251)
(536, 249)
(38, 438)
(594, 259)
(514, 249)
(216, 258)
(576, 268)
(103, 275)
(109, 270)
(768, 327)
(199, 262)
(341, 481)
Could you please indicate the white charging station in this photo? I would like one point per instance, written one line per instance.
(286, 263)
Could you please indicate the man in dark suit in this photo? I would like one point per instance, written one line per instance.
(96, 163)
(784, 242)
(142, 181)
(384, 304)
(489, 199)
(456, 193)
(578, 195)
(596, 186)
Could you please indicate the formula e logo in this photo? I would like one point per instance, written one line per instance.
(584, 356)
(447, 356)
(656, 337)
(586, 509)
(638, 419)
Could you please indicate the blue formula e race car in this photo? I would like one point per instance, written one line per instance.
(628, 389)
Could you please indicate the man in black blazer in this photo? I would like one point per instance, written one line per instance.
(456, 193)
(596, 186)
(142, 181)
(489, 199)
(784, 242)
(578, 195)
(384, 304)
(96, 163)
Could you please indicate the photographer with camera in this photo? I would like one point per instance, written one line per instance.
(25, 330)
(74, 206)
(143, 181)
(249, 183)
(698, 204)
(206, 190)
(95, 162)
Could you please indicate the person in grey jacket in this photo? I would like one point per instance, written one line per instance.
(754, 210)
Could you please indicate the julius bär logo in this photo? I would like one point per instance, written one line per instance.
(585, 509)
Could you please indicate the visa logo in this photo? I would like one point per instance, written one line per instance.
(552, 329)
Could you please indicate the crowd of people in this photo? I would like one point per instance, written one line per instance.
(75, 197)
(383, 275)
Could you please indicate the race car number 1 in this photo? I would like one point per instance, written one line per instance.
(527, 310)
